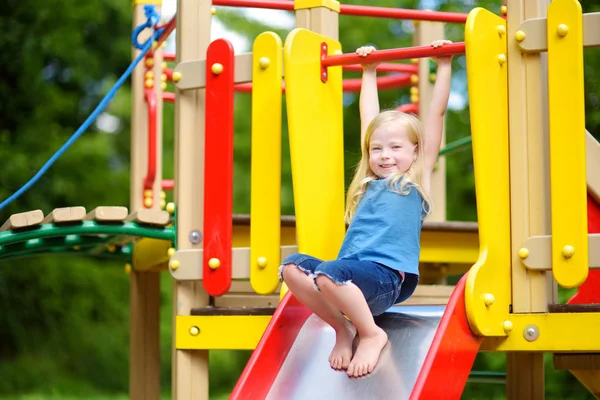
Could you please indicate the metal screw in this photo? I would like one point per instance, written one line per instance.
(531, 333)
(195, 236)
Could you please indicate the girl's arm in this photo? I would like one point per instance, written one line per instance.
(369, 99)
(434, 125)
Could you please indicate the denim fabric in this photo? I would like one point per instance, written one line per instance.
(380, 285)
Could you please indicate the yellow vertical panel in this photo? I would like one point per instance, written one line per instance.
(265, 197)
(316, 143)
(567, 143)
(487, 292)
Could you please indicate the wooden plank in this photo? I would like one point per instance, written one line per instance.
(65, 215)
(107, 214)
(579, 361)
(149, 216)
(23, 220)
(232, 311)
(243, 300)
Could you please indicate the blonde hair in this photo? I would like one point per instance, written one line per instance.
(413, 177)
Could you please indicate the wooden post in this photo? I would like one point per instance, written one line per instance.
(190, 367)
(530, 189)
(144, 292)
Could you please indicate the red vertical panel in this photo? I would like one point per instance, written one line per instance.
(452, 353)
(218, 168)
(589, 292)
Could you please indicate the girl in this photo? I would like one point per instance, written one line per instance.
(378, 263)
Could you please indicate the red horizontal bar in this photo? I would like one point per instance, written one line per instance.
(394, 54)
(388, 67)
(167, 184)
(169, 56)
(271, 4)
(169, 97)
(399, 13)
(349, 85)
(409, 108)
(347, 9)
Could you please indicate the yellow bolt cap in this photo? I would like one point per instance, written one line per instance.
(520, 36)
(261, 262)
(414, 79)
(149, 83)
(503, 10)
(507, 326)
(163, 195)
(414, 90)
(216, 68)
(502, 58)
(414, 98)
(523, 253)
(149, 62)
(194, 331)
(163, 85)
(171, 251)
(149, 74)
(162, 204)
(488, 299)
(170, 208)
(176, 76)
(214, 263)
(174, 264)
(213, 10)
(501, 30)
(568, 251)
(562, 30)
(148, 202)
(264, 62)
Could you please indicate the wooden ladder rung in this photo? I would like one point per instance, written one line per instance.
(107, 214)
(23, 220)
(65, 215)
(149, 216)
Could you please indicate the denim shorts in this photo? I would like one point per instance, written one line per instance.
(379, 284)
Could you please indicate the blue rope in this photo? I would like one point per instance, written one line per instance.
(152, 21)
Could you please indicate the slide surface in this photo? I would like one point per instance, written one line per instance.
(429, 355)
(305, 373)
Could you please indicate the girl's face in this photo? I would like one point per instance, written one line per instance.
(390, 150)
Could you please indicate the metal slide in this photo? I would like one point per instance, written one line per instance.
(305, 373)
(430, 354)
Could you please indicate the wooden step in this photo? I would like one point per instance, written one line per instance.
(232, 311)
(148, 216)
(23, 220)
(573, 308)
(108, 214)
(65, 215)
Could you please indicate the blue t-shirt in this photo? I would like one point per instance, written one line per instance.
(386, 229)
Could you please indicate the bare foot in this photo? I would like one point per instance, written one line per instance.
(342, 351)
(367, 354)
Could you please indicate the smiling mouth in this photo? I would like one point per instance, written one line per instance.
(387, 165)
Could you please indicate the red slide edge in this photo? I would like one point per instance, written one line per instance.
(272, 349)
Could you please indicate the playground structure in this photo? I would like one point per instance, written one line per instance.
(537, 198)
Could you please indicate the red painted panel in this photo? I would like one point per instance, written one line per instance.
(218, 168)
(268, 357)
(589, 292)
(450, 358)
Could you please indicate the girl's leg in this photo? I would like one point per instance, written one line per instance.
(303, 287)
(338, 289)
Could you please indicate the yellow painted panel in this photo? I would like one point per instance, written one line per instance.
(490, 277)
(220, 332)
(316, 143)
(556, 332)
(449, 247)
(150, 253)
(265, 193)
(567, 143)
(333, 5)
